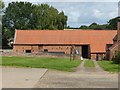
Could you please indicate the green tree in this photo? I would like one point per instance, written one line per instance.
(19, 15)
(25, 15)
(1, 4)
(62, 20)
(83, 27)
(49, 18)
(112, 23)
(3, 39)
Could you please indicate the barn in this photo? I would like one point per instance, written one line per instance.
(89, 43)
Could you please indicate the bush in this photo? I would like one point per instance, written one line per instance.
(117, 58)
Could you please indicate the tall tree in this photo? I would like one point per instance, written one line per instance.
(62, 20)
(19, 15)
(25, 15)
(49, 18)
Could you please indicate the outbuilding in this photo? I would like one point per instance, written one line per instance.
(89, 43)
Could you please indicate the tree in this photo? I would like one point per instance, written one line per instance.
(19, 15)
(49, 18)
(94, 26)
(83, 27)
(62, 20)
(3, 40)
(1, 4)
(25, 15)
(112, 23)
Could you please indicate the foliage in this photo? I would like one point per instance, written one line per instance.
(1, 4)
(95, 26)
(113, 23)
(108, 66)
(62, 64)
(89, 63)
(116, 60)
(25, 15)
(19, 15)
(49, 18)
(84, 27)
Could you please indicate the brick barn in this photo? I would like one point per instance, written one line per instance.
(89, 43)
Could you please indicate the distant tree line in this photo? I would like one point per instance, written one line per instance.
(25, 15)
(111, 25)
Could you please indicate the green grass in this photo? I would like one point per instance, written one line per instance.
(108, 66)
(89, 63)
(62, 64)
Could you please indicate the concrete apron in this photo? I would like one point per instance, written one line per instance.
(21, 77)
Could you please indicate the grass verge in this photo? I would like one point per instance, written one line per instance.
(89, 63)
(108, 66)
(62, 64)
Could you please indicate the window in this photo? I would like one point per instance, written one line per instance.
(45, 50)
(28, 51)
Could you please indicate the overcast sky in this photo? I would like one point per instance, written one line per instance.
(83, 13)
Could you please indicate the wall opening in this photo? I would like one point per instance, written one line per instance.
(28, 51)
(85, 51)
(45, 50)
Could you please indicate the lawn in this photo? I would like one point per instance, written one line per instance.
(63, 64)
(89, 63)
(108, 66)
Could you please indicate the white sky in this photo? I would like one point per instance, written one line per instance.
(82, 12)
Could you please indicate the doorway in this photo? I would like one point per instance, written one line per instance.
(85, 51)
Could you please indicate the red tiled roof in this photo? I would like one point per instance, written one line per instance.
(96, 38)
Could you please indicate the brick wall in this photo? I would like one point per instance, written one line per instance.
(36, 49)
(65, 49)
(113, 51)
(22, 49)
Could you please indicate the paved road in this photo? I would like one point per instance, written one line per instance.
(82, 78)
(21, 77)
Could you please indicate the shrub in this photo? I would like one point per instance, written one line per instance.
(117, 58)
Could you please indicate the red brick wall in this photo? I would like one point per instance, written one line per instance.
(36, 49)
(65, 49)
(22, 49)
(113, 51)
